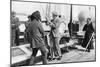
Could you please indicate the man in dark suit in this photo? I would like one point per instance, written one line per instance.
(75, 27)
(70, 28)
(88, 29)
(36, 34)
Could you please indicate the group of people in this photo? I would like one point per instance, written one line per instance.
(88, 31)
(36, 35)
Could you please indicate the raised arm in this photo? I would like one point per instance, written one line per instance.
(41, 29)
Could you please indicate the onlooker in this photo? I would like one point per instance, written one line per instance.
(88, 28)
(14, 28)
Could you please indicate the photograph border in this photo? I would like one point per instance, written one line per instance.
(51, 3)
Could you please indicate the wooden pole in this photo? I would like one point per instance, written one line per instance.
(88, 43)
(71, 19)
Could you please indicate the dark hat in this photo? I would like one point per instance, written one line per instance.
(88, 18)
(29, 16)
(36, 15)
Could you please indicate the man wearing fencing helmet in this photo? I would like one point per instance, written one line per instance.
(54, 36)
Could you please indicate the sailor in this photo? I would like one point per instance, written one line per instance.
(36, 34)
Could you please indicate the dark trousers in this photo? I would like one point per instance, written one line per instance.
(44, 52)
(86, 40)
(14, 37)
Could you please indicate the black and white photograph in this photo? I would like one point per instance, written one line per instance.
(45, 33)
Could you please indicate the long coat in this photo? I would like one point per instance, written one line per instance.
(36, 34)
(89, 30)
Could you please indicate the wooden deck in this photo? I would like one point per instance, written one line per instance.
(75, 56)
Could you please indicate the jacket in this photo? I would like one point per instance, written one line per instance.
(36, 34)
(55, 27)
